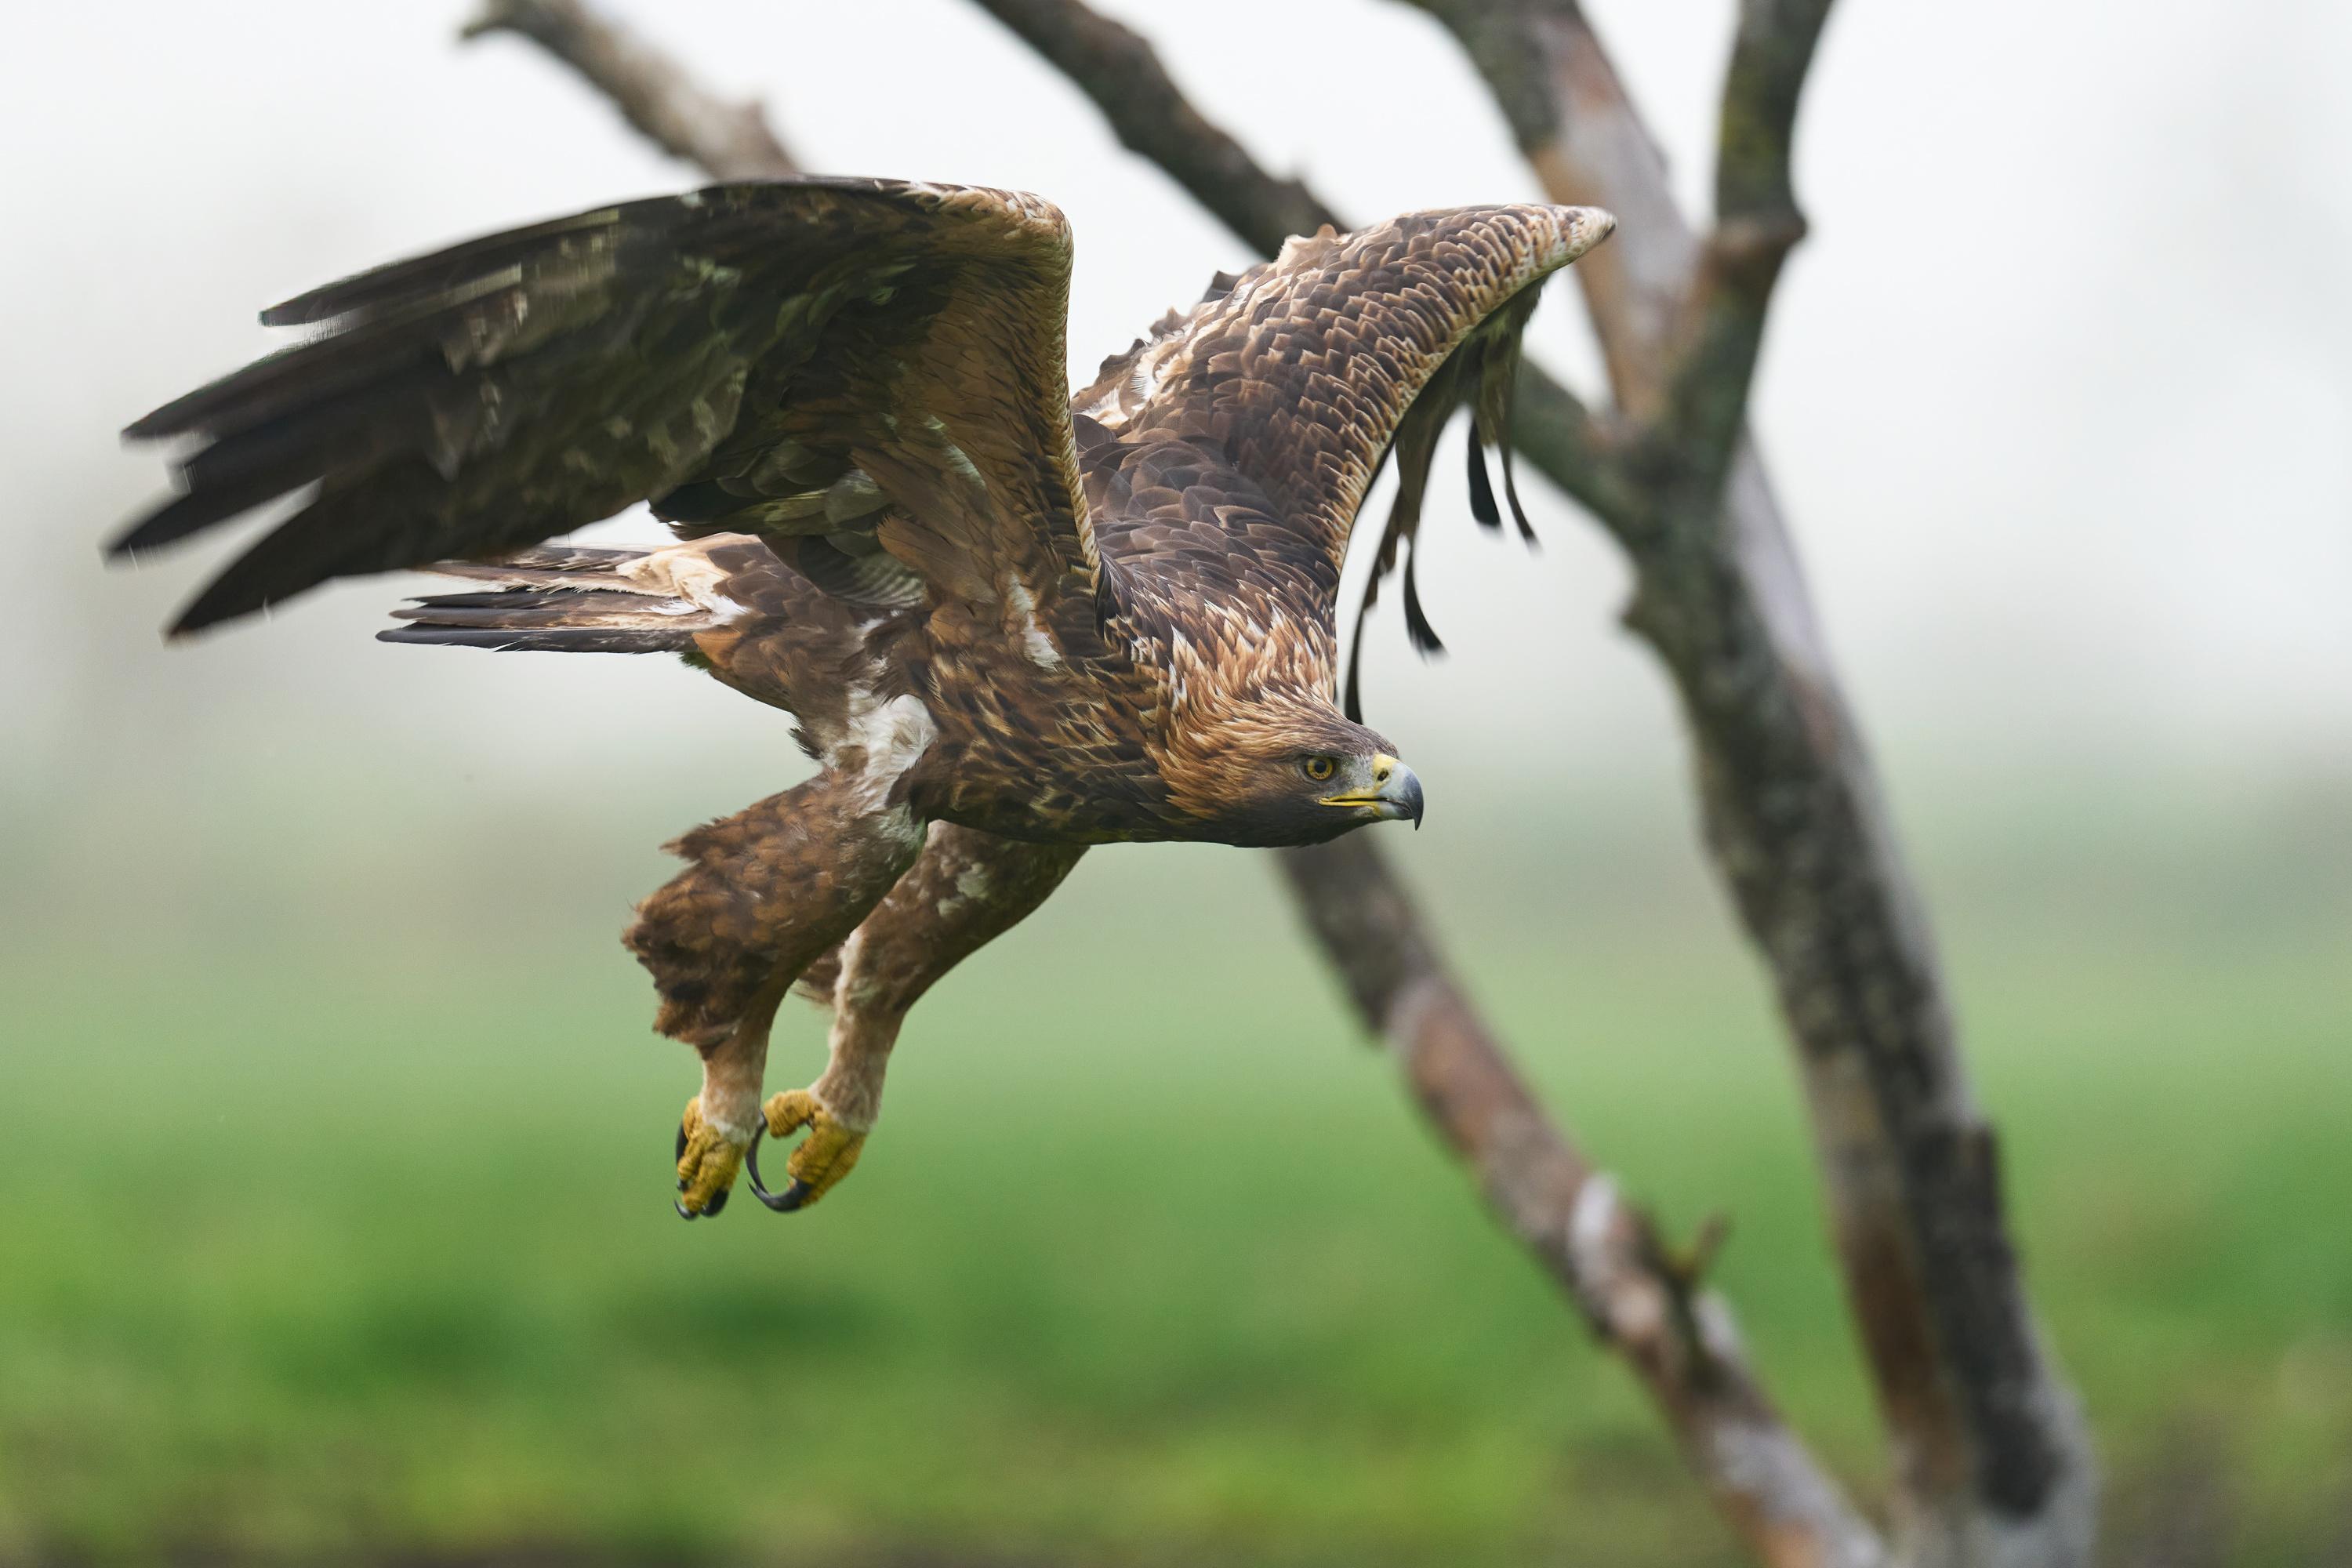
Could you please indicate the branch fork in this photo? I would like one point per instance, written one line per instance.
(1992, 1465)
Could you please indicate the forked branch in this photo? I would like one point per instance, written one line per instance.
(1643, 1300)
(1121, 74)
(1679, 1338)
(1757, 223)
(1992, 1462)
(654, 93)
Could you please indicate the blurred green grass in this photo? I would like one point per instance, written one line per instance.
(341, 1226)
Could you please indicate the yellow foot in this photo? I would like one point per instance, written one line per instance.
(828, 1152)
(707, 1160)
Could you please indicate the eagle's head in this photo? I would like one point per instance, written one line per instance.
(1286, 768)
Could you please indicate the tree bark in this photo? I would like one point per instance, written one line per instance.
(1993, 1463)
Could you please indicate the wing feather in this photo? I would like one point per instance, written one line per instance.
(854, 358)
(1308, 372)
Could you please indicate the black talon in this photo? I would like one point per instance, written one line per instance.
(717, 1204)
(795, 1190)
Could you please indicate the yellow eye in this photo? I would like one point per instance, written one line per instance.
(1320, 768)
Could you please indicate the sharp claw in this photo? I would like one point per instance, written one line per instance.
(710, 1210)
(782, 1203)
(796, 1193)
(683, 1212)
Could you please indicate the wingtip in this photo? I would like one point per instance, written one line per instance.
(197, 617)
(182, 515)
(1482, 488)
(1589, 226)
(313, 306)
(154, 425)
(220, 600)
(1424, 636)
(129, 542)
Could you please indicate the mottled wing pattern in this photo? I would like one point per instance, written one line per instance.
(861, 362)
(1302, 375)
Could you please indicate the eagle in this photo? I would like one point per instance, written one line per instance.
(1009, 623)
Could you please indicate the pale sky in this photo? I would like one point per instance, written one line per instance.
(2059, 393)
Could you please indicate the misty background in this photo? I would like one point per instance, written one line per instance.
(2057, 398)
(2058, 395)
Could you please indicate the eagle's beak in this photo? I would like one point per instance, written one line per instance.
(1395, 794)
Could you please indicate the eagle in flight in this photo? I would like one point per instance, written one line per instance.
(1010, 623)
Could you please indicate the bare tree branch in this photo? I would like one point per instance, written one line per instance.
(1120, 72)
(1756, 224)
(1638, 1296)
(653, 92)
(1992, 1460)
(1117, 68)
(1770, 58)
(1570, 114)
(1785, 1506)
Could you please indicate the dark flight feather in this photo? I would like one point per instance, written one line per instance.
(1480, 374)
(1413, 448)
(748, 338)
(468, 264)
(1416, 620)
(1482, 488)
(194, 510)
(1498, 380)
(1352, 699)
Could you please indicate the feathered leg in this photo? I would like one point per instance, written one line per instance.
(967, 889)
(767, 890)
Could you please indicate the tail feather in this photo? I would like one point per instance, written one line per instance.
(524, 607)
(556, 640)
(561, 600)
(570, 566)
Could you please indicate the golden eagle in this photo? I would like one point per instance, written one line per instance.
(1010, 623)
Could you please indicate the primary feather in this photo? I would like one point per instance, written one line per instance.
(514, 388)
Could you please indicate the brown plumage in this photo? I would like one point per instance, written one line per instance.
(1010, 624)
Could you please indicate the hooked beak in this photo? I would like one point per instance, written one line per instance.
(1395, 794)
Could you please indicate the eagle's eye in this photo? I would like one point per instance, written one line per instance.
(1320, 768)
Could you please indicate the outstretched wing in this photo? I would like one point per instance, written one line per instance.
(805, 357)
(1305, 372)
